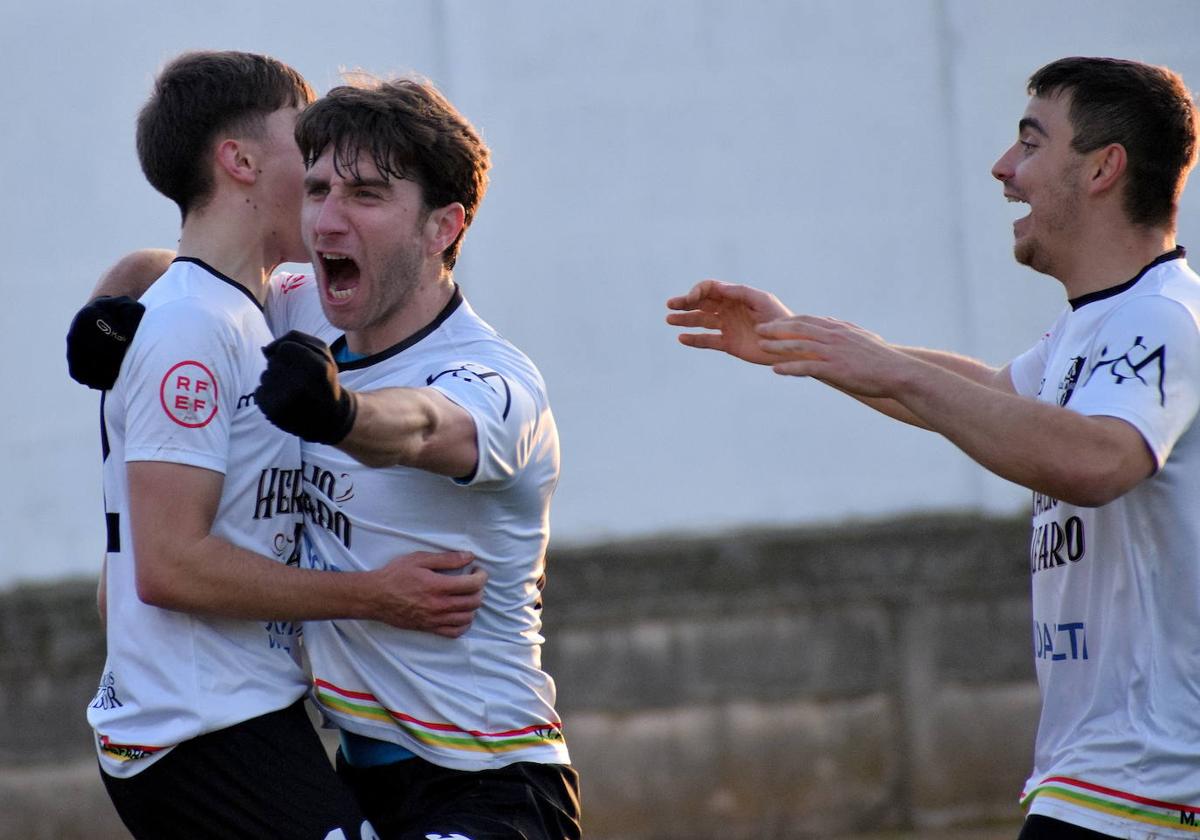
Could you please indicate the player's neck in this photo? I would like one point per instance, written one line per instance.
(1111, 257)
(231, 243)
(427, 300)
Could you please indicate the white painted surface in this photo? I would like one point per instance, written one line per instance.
(835, 152)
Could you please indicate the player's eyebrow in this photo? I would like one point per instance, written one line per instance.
(377, 183)
(1033, 124)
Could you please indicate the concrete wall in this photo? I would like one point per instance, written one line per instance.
(798, 683)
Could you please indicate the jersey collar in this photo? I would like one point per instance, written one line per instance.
(220, 276)
(1091, 297)
(449, 309)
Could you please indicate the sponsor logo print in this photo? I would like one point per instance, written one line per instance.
(474, 373)
(1139, 363)
(1067, 386)
(106, 695)
(188, 394)
(291, 283)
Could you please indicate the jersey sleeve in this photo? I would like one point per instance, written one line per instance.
(1028, 369)
(179, 386)
(505, 412)
(294, 303)
(1145, 369)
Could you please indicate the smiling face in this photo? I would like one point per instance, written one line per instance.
(1042, 170)
(367, 237)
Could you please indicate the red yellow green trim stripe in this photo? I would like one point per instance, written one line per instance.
(1117, 803)
(126, 752)
(364, 705)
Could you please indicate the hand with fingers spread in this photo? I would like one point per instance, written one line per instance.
(733, 311)
(837, 353)
(430, 592)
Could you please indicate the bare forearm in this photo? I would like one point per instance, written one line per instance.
(1069, 456)
(1079, 459)
(964, 366)
(390, 427)
(415, 427)
(214, 577)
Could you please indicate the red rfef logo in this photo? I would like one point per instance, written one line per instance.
(189, 394)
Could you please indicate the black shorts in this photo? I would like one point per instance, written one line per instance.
(264, 777)
(1037, 827)
(414, 800)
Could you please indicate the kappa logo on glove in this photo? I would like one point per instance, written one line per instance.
(188, 394)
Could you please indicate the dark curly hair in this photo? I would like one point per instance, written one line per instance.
(411, 132)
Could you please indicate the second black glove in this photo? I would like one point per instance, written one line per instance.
(299, 391)
(98, 338)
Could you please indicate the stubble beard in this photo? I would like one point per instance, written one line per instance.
(1059, 214)
(397, 279)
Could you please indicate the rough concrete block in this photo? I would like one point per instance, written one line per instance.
(737, 770)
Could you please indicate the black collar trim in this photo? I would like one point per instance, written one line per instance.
(220, 276)
(366, 361)
(1091, 297)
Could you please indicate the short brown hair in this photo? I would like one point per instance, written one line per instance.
(1146, 109)
(411, 132)
(196, 96)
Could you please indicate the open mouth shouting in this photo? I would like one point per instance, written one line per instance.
(341, 274)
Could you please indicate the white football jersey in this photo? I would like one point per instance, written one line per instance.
(185, 395)
(1116, 589)
(482, 700)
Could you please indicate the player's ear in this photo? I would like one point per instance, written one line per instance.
(443, 226)
(1104, 167)
(234, 159)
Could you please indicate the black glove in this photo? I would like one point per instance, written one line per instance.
(98, 339)
(299, 390)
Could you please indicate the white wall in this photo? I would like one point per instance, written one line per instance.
(834, 151)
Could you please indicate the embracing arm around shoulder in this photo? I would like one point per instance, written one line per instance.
(183, 566)
(100, 332)
(134, 273)
(413, 427)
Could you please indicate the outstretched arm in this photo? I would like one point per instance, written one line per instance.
(1084, 460)
(415, 427)
(734, 312)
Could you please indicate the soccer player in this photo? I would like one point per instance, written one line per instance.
(1098, 420)
(199, 721)
(439, 737)
(423, 429)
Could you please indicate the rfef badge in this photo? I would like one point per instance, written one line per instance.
(188, 394)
